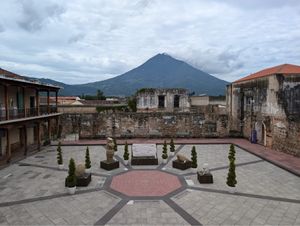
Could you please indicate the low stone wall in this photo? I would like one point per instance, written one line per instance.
(147, 125)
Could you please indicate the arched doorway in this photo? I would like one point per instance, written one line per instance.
(260, 128)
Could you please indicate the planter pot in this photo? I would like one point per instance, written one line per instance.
(60, 166)
(231, 190)
(194, 170)
(89, 170)
(71, 190)
(126, 162)
(172, 153)
(164, 161)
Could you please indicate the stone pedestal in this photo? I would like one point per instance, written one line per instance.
(181, 165)
(205, 178)
(109, 165)
(84, 180)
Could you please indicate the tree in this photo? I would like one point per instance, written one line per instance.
(59, 155)
(132, 104)
(87, 158)
(194, 157)
(100, 95)
(165, 151)
(231, 176)
(126, 153)
(71, 178)
(172, 146)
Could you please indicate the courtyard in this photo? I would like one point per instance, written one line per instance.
(32, 191)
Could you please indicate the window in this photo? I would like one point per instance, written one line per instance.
(176, 101)
(161, 101)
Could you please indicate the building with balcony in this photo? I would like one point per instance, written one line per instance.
(25, 123)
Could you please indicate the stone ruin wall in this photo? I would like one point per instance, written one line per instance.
(211, 122)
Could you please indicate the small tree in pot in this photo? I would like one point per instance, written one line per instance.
(194, 159)
(70, 182)
(87, 161)
(172, 147)
(59, 157)
(165, 152)
(126, 153)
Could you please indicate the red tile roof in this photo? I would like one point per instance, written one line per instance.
(285, 69)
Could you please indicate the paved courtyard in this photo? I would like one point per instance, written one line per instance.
(32, 191)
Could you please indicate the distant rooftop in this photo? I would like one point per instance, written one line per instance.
(285, 69)
(8, 75)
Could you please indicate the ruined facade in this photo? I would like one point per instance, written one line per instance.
(212, 122)
(163, 100)
(265, 107)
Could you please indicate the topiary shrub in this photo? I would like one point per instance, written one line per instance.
(87, 158)
(71, 178)
(231, 176)
(126, 153)
(194, 157)
(59, 154)
(165, 151)
(172, 146)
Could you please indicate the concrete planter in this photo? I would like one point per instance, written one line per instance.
(60, 166)
(88, 171)
(164, 161)
(71, 190)
(126, 162)
(172, 153)
(231, 190)
(194, 170)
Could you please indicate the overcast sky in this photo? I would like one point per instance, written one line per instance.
(80, 41)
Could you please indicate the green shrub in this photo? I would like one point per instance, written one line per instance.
(194, 157)
(165, 151)
(71, 178)
(87, 158)
(115, 144)
(172, 146)
(231, 154)
(231, 176)
(59, 154)
(126, 153)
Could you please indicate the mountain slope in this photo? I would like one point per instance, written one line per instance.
(162, 71)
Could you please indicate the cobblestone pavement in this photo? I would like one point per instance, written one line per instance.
(32, 192)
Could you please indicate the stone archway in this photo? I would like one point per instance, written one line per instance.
(261, 131)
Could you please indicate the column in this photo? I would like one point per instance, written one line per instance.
(39, 135)
(48, 101)
(56, 100)
(6, 102)
(25, 141)
(49, 129)
(8, 148)
(24, 104)
(37, 100)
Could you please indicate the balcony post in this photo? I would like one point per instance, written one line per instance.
(25, 140)
(56, 100)
(37, 96)
(8, 148)
(39, 136)
(6, 102)
(48, 101)
(49, 129)
(24, 104)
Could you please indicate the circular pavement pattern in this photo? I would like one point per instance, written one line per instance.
(145, 183)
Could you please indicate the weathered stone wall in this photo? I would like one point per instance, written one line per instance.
(271, 106)
(213, 123)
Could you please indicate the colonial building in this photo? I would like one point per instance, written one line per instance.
(163, 100)
(265, 107)
(25, 123)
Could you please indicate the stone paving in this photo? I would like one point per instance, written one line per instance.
(32, 192)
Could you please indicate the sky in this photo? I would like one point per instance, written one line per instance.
(82, 41)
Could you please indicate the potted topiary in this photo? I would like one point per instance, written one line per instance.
(59, 157)
(172, 148)
(165, 153)
(126, 154)
(70, 182)
(87, 161)
(231, 176)
(194, 160)
(115, 145)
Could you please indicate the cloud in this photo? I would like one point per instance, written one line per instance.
(76, 41)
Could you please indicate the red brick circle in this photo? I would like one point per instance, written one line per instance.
(145, 183)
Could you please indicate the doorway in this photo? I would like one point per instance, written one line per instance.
(161, 101)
